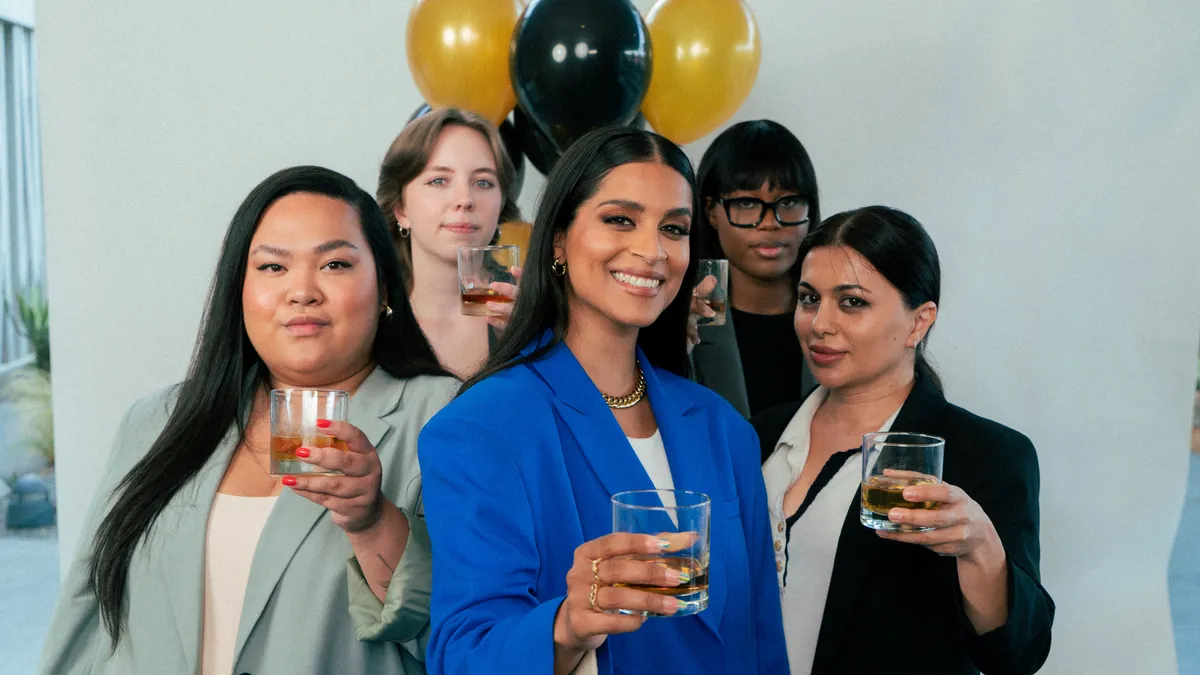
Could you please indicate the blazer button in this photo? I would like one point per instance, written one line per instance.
(780, 528)
(778, 545)
(778, 568)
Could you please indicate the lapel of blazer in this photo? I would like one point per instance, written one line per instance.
(294, 516)
(686, 436)
(857, 545)
(682, 424)
(719, 363)
(593, 426)
(185, 524)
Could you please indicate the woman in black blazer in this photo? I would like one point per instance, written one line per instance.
(758, 193)
(963, 598)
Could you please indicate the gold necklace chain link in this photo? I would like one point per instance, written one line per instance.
(632, 398)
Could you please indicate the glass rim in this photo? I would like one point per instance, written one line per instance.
(288, 390)
(880, 436)
(489, 247)
(705, 500)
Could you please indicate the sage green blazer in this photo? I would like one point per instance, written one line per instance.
(307, 610)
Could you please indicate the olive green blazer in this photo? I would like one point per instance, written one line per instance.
(307, 608)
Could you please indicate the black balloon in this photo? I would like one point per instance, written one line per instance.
(512, 145)
(538, 147)
(578, 65)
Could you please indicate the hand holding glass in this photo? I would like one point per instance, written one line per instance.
(480, 268)
(294, 415)
(682, 518)
(712, 291)
(892, 461)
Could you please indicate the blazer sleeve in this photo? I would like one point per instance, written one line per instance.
(76, 635)
(403, 616)
(1008, 494)
(768, 614)
(486, 617)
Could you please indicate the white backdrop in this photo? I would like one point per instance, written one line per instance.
(1050, 148)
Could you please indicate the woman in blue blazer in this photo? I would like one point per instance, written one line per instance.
(519, 470)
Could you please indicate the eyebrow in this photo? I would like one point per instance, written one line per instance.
(331, 245)
(636, 206)
(482, 169)
(839, 288)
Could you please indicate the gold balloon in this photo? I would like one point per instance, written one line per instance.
(516, 233)
(458, 53)
(706, 57)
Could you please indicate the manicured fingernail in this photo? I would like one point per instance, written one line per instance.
(910, 494)
(663, 544)
(669, 604)
(322, 424)
(678, 576)
(302, 452)
(289, 481)
(896, 515)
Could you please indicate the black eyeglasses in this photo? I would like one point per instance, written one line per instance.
(790, 210)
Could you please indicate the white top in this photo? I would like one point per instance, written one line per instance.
(234, 527)
(806, 556)
(653, 456)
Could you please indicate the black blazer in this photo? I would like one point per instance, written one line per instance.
(896, 608)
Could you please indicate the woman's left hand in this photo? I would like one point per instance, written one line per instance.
(963, 529)
(354, 498)
(505, 309)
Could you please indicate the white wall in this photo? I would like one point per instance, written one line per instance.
(17, 11)
(1050, 148)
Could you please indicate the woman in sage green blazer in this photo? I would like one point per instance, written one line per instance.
(307, 293)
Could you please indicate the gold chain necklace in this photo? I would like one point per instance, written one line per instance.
(631, 399)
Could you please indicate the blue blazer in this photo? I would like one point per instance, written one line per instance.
(518, 472)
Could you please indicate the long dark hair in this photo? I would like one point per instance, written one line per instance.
(226, 373)
(542, 302)
(745, 156)
(899, 248)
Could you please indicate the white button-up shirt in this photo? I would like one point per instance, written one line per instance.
(805, 558)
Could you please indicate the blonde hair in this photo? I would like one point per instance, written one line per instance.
(410, 153)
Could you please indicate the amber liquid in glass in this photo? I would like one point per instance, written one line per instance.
(475, 303)
(881, 494)
(283, 448)
(691, 566)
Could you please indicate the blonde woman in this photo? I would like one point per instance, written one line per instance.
(446, 181)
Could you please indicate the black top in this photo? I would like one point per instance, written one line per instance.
(771, 358)
(886, 598)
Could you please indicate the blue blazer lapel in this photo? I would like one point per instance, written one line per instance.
(687, 437)
(293, 516)
(585, 416)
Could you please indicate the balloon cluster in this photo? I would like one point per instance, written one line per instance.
(566, 67)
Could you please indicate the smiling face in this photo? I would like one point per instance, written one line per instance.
(456, 199)
(311, 299)
(627, 251)
(854, 326)
(766, 252)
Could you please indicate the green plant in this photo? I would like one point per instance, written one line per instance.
(28, 391)
(32, 320)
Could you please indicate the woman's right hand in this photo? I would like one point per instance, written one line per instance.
(583, 620)
(700, 309)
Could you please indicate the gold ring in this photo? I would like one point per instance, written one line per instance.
(596, 571)
(592, 597)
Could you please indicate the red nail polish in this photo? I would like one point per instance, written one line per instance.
(289, 481)
(322, 423)
(302, 452)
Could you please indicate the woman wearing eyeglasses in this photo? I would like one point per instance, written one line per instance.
(758, 192)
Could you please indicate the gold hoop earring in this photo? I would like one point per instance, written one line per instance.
(387, 311)
(558, 268)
